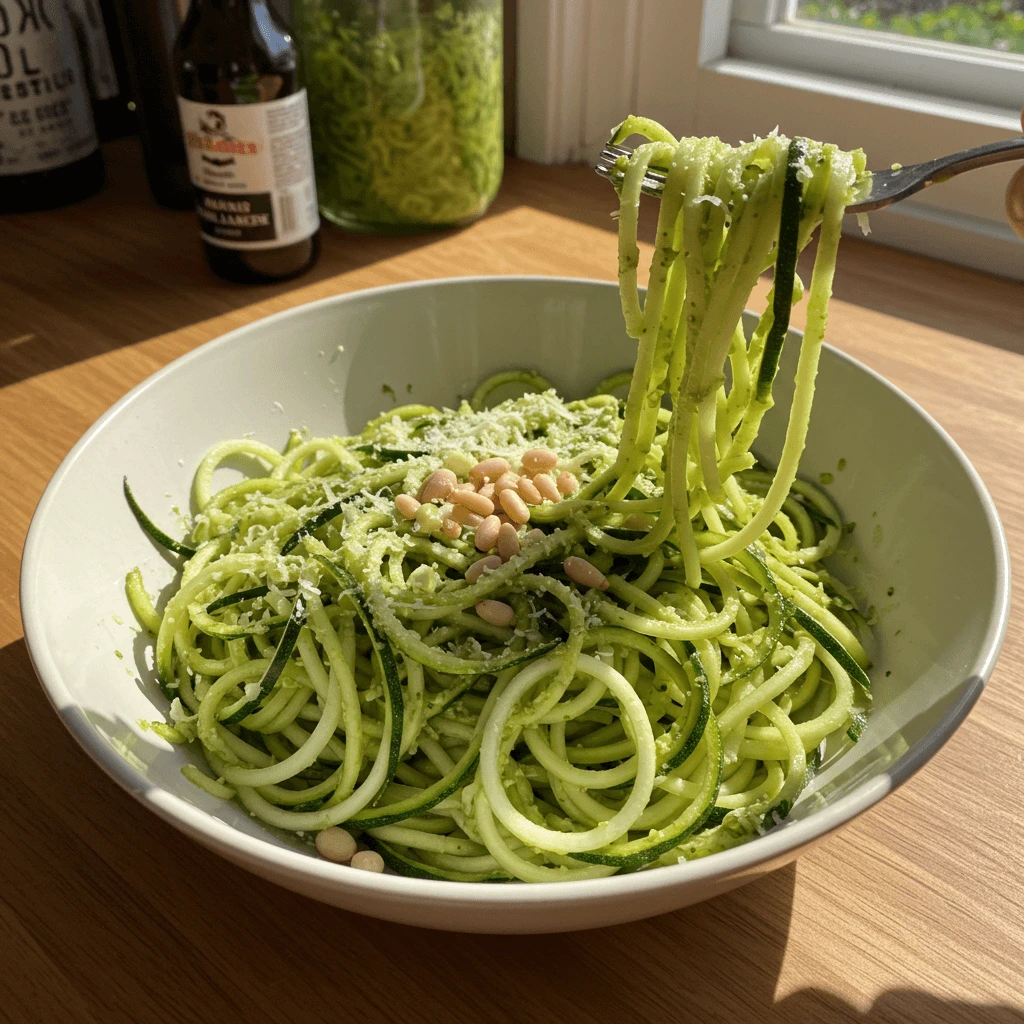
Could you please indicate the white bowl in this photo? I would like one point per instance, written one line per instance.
(925, 526)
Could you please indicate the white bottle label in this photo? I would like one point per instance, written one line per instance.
(45, 117)
(252, 166)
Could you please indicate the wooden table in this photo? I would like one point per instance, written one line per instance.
(914, 913)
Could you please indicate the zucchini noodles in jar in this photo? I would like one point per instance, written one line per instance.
(406, 109)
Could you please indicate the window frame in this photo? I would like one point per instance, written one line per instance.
(581, 69)
(976, 81)
(962, 221)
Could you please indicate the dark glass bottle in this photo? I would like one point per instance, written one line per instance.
(49, 152)
(106, 73)
(246, 129)
(148, 29)
(116, 115)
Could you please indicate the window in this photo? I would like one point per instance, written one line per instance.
(963, 52)
(848, 71)
(844, 71)
(991, 25)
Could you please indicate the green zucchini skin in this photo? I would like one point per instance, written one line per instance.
(313, 524)
(822, 636)
(637, 853)
(386, 659)
(389, 454)
(403, 865)
(392, 814)
(689, 744)
(285, 646)
(226, 631)
(237, 598)
(715, 816)
(151, 528)
(472, 669)
(785, 268)
(752, 561)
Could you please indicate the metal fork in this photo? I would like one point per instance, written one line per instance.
(883, 188)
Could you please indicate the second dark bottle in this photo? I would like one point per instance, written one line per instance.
(246, 128)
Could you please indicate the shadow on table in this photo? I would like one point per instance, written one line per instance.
(921, 290)
(898, 1006)
(121, 918)
(119, 285)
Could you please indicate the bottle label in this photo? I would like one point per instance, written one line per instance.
(252, 166)
(45, 116)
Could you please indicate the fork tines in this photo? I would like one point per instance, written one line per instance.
(653, 182)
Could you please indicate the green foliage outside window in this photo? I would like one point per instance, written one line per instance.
(990, 24)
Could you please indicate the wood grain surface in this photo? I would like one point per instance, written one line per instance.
(915, 913)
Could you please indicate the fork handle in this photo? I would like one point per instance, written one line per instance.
(944, 167)
(888, 187)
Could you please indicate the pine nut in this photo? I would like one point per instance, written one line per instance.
(474, 502)
(482, 565)
(489, 469)
(547, 487)
(407, 505)
(532, 536)
(508, 541)
(368, 860)
(567, 483)
(487, 491)
(503, 519)
(464, 517)
(505, 481)
(539, 460)
(335, 844)
(497, 613)
(584, 573)
(451, 528)
(438, 485)
(487, 534)
(529, 492)
(514, 506)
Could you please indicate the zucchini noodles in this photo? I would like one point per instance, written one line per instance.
(549, 639)
(405, 106)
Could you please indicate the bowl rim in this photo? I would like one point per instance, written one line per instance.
(193, 821)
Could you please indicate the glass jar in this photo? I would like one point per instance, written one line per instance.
(405, 103)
